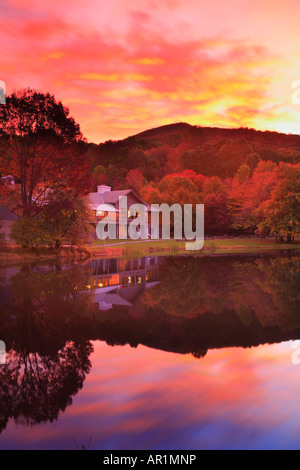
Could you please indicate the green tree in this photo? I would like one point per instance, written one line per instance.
(63, 220)
(281, 212)
(99, 175)
(115, 176)
(243, 174)
(30, 233)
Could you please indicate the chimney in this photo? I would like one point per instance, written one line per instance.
(103, 189)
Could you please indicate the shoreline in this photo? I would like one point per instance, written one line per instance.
(11, 255)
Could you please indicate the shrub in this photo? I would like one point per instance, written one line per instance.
(30, 233)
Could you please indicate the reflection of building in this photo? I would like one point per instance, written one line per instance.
(122, 281)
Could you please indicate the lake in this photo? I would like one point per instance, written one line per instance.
(152, 353)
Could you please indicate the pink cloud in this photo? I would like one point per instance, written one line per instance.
(152, 67)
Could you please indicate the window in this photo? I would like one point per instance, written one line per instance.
(131, 214)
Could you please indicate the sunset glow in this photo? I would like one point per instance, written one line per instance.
(156, 399)
(123, 67)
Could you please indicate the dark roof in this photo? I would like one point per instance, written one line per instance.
(112, 197)
(6, 214)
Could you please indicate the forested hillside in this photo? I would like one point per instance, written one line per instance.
(176, 147)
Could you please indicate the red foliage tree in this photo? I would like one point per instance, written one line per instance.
(41, 147)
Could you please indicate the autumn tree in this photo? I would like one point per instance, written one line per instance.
(216, 215)
(179, 189)
(237, 199)
(213, 184)
(172, 189)
(197, 179)
(282, 210)
(41, 146)
(151, 194)
(246, 194)
(135, 180)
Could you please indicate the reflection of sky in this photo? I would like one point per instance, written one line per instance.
(147, 399)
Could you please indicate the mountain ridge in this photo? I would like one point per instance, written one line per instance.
(211, 151)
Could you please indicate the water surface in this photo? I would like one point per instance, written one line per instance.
(151, 353)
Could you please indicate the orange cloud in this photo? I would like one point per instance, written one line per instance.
(164, 63)
(149, 61)
(54, 55)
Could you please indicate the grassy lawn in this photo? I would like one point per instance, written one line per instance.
(250, 245)
(113, 242)
(211, 246)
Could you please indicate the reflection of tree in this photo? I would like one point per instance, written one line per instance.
(200, 353)
(206, 303)
(200, 304)
(190, 287)
(45, 313)
(265, 288)
(281, 280)
(36, 388)
(48, 349)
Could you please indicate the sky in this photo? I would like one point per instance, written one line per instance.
(122, 67)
